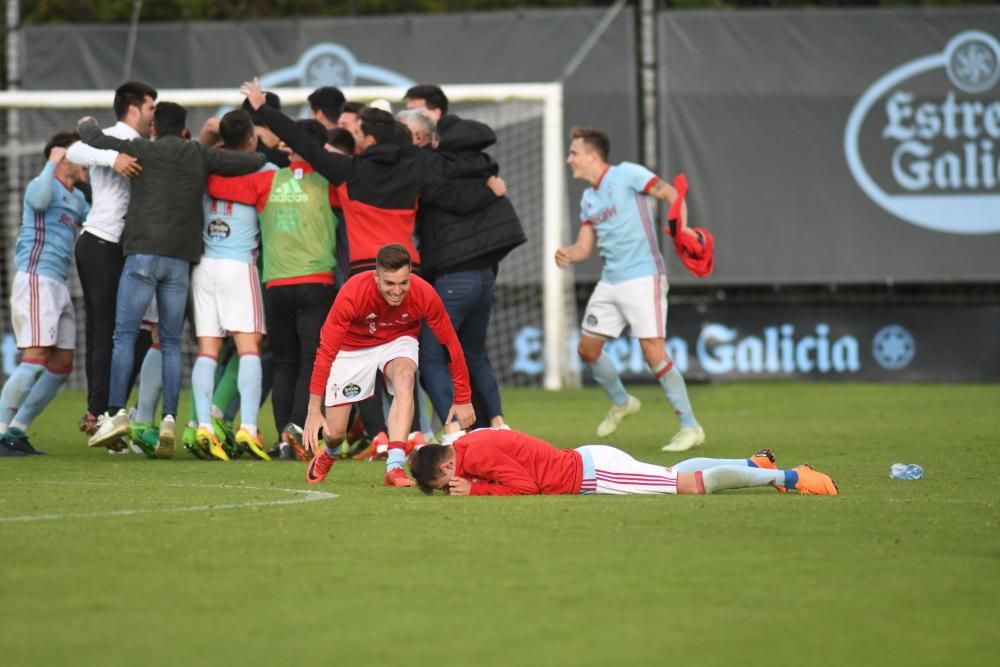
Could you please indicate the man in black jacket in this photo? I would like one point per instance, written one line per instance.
(461, 256)
(161, 239)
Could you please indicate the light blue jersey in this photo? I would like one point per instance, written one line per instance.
(232, 230)
(52, 215)
(623, 221)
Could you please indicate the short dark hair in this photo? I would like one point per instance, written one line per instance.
(236, 128)
(169, 118)
(392, 257)
(341, 139)
(404, 136)
(596, 139)
(378, 124)
(313, 128)
(270, 100)
(352, 107)
(432, 96)
(425, 465)
(62, 140)
(327, 99)
(131, 94)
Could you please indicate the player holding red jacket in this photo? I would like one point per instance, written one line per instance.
(494, 462)
(374, 325)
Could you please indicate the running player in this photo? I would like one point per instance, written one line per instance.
(616, 216)
(41, 308)
(373, 326)
(494, 462)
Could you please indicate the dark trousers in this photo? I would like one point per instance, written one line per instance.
(99, 264)
(295, 315)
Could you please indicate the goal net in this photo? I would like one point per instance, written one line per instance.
(535, 306)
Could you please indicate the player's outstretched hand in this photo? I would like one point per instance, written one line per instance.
(457, 486)
(127, 166)
(57, 154)
(463, 412)
(253, 93)
(310, 432)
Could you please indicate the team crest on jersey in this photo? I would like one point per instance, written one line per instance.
(351, 390)
(591, 320)
(218, 230)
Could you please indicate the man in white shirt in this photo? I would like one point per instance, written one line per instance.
(99, 259)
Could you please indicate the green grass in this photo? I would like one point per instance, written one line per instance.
(889, 573)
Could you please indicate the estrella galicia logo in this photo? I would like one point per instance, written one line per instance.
(931, 158)
(218, 230)
(893, 347)
(591, 320)
(351, 390)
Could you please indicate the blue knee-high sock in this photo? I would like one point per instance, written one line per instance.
(150, 383)
(16, 390)
(673, 386)
(249, 383)
(202, 381)
(41, 394)
(703, 463)
(396, 456)
(606, 375)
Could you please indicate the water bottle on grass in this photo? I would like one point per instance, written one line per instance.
(904, 471)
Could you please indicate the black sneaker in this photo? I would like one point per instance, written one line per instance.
(7, 450)
(21, 444)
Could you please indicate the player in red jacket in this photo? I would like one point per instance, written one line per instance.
(374, 325)
(495, 462)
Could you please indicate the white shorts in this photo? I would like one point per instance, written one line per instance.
(640, 303)
(352, 375)
(610, 470)
(227, 298)
(42, 312)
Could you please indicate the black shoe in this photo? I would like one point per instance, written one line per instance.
(275, 451)
(7, 450)
(286, 452)
(21, 444)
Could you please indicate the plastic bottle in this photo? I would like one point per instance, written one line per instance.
(904, 471)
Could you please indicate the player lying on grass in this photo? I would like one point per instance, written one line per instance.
(492, 462)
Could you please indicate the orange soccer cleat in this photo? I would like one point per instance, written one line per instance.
(764, 458)
(814, 483)
(397, 477)
(319, 466)
(378, 449)
(414, 442)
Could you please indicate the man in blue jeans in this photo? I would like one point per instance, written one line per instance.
(461, 256)
(161, 239)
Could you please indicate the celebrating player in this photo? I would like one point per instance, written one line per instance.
(41, 308)
(495, 462)
(633, 287)
(374, 325)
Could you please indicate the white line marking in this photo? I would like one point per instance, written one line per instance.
(304, 496)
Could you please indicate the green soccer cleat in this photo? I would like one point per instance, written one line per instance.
(227, 437)
(145, 436)
(191, 445)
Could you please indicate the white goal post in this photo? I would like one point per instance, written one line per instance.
(538, 104)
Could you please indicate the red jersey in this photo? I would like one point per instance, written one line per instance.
(510, 463)
(361, 318)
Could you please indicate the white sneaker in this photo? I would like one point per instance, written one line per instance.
(685, 439)
(616, 415)
(109, 429)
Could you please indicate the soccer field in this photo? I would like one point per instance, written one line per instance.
(118, 560)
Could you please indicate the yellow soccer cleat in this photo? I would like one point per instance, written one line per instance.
(206, 439)
(253, 443)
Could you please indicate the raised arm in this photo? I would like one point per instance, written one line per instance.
(38, 194)
(666, 192)
(253, 189)
(331, 166)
